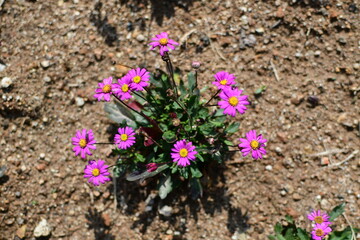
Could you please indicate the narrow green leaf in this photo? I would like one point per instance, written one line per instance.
(195, 172)
(271, 237)
(289, 234)
(289, 219)
(233, 127)
(198, 156)
(165, 186)
(278, 228)
(169, 136)
(229, 143)
(143, 175)
(337, 211)
(302, 234)
(191, 82)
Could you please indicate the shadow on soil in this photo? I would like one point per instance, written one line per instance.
(159, 8)
(143, 202)
(96, 223)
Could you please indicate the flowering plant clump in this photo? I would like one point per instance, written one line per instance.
(320, 227)
(166, 129)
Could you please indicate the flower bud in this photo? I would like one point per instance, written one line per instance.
(173, 115)
(151, 167)
(176, 122)
(195, 64)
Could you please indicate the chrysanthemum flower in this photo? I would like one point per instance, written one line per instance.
(139, 79)
(223, 80)
(105, 90)
(320, 231)
(253, 143)
(83, 141)
(97, 172)
(122, 89)
(163, 41)
(125, 138)
(318, 217)
(183, 152)
(232, 101)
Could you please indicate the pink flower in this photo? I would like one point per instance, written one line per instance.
(163, 42)
(318, 217)
(83, 141)
(232, 101)
(125, 138)
(320, 231)
(183, 152)
(139, 79)
(104, 90)
(151, 167)
(254, 144)
(122, 89)
(224, 80)
(97, 172)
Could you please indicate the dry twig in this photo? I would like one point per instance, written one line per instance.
(353, 237)
(347, 158)
(274, 70)
(327, 152)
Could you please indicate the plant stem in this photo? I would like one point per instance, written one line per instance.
(147, 135)
(103, 143)
(212, 97)
(146, 101)
(170, 69)
(140, 113)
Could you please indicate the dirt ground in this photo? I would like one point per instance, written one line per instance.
(306, 53)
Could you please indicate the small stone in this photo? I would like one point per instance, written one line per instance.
(96, 193)
(79, 101)
(283, 193)
(313, 100)
(268, 167)
(169, 232)
(107, 219)
(278, 150)
(282, 136)
(166, 211)
(45, 64)
(43, 229)
(41, 166)
(345, 120)
(20, 220)
(98, 54)
(10, 221)
(21, 232)
(325, 204)
(260, 31)
(42, 156)
(47, 79)
(317, 53)
(296, 196)
(177, 233)
(298, 55)
(325, 161)
(6, 82)
(280, 13)
(17, 194)
(250, 40)
(356, 66)
(106, 195)
(296, 100)
(342, 41)
(292, 212)
(2, 67)
(140, 38)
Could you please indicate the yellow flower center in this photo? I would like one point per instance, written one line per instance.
(319, 219)
(319, 232)
(254, 144)
(82, 143)
(95, 172)
(106, 88)
(124, 137)
(183, 152)
(233, 101)
(137, 79)
(223, 82)
(125, 88)
(163, 41)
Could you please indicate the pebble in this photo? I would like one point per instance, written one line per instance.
(6, 82)
(166, 211)
(20, 220)
(45, 64)
(268, 167)
(2, 67)
(356, 66)
(140, 38)
(317, 53)
(18, 194)
(325, 161)
(342, 41)
(42, 156)
(169, 232)
(10, 221)
(298, 55)
(260, 31)
(79, 101)
(296, 196)
(98, 54)
(278, 150)
(282, 192)
(250, 40)
(47, 79)
(40, 166)
(43, 229)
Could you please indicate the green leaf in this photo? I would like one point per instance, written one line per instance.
(195, 172)
(118, 113)
(337, 211)
(260, 90)
(165, 187)
(302, 234)
(341, 235)
(271, 237)
(278, 228)
(289, 219)
(196, 189)
(169, 136)
(232, 128)
(198, 156)
(139, 157)
(191, 82)
(229, 143)
(289, 234)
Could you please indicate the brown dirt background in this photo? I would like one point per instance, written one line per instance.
(56, 51)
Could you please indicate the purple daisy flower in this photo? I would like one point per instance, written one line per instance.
(232, 101)
(183, 152)
(122, 89)
(139, 79)
(104, 90)
(253, 143)
(125, 138)
(83, 141)
(163, 41)
(224, 80)
(320, 231)
(97, 172)
(318, 217)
